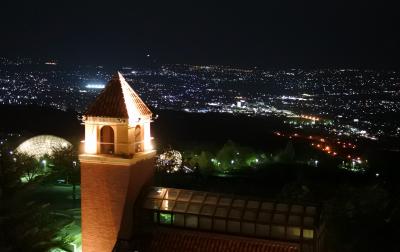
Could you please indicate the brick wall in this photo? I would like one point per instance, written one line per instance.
(108, 194)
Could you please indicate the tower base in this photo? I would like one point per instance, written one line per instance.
(109, 188)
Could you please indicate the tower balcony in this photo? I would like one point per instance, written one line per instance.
(105, 152)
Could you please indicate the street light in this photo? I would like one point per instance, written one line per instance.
(44, 162)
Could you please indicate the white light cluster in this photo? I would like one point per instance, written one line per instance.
(95, 86)
(40, 145)
(169, 161)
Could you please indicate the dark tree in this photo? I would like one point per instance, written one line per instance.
(66, 165)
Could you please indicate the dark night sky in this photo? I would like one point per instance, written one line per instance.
(272, 34)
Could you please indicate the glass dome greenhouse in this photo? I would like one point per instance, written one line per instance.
(43, 144)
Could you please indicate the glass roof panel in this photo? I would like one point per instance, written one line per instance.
(232, 212)
(311, 210)
(211, 199)
(152, 204)
(279, 218)
(221, 212)
(198, 197)
(224, 201)
(308, 221)
(238, 203)
(172, 194)
(297, 209)
(250, 215)
(167, 205)
(253, 204)
(264, 217)
(267, 206)
(282, 207)
(294, 220)
(180, 207)
(184, 195)
(156, 192)
(208, 210)
(235, 213)
(194, 208)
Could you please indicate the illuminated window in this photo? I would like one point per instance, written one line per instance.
(165, 218)
(308, 233)
(293, 233)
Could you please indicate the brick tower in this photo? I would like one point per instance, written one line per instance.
(118, 160)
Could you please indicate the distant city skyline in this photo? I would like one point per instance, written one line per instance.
(284, 34)
(352, 102)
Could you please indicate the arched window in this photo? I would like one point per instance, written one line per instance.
(138, 139)
(107, 140)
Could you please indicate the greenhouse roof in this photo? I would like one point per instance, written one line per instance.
(234, 214)
(41, 145)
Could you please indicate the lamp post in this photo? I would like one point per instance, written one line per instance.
(73, 180)
(44, 162)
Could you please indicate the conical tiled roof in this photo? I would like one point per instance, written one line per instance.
(118, 100)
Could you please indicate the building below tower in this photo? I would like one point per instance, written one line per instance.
(184, 220)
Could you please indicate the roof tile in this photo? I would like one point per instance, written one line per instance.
(118, 100)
